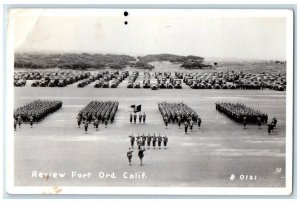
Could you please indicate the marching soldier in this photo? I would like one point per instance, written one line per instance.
(165, 141)
(154, 141)
(144, 118)
(134, 118)
(31, 121)
(86, 125)
(140, 118)
(159, 139)
(258, 122)
(132, 138)
(141, 154)
(149, 140)
(199, 122)
(129, 155)
(130, 118)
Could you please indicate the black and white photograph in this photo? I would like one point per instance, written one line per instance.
(150, 101)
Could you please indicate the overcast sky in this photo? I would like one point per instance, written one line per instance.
(148, 33)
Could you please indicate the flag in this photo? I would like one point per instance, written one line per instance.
(138, 108)
(132, 106)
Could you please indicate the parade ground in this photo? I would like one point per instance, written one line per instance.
(219, 154)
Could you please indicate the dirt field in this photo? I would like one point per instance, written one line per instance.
(205, 157)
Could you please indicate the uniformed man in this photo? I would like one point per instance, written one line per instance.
(129, 155)
(274, 121)
(245, 121)
(258, 122)
(166, 123)
(134, 118)
(191, 125)
(186, 125)
(144, 118)
(143, 140)
(86, 124)
(141, 154)
(78, 121)
(179, 121)
(31, 121)
(149, 140)
(19, 121)
(140, 118)
(130, 118)
(269, 128)
(132, 139)
(106, 123)
(154, 141)
(159, 139)
(165, 141)
(15, 124)
(199, 122)
(96, 123)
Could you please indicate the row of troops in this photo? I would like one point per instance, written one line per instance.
(241, 113)
(141, 117)
(141, 140)
(177, 112)
(97, 111)
(35, 111)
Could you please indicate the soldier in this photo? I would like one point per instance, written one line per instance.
(15, 124)
(132, 138)
(199, 122)
(144, 118)
(130, 118)
(166, 123)
(129, 155)
(96, 123)
(191, 125)
(179, 121)
(143, 140)
(141, 154)
(165, 141)
(159, 139)
(86, 124)
(140, 118)
(269, 128)
(186, 125)
(19, 121)
(78, 121)
(106, 122)
(134, 118)
(258, 122)
(149, 140)
(31, 121)
(154, 141)
(274, 121)
(245, 121)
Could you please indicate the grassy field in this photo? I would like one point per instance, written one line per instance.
(205, 157)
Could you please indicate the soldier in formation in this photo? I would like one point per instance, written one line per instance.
(165, 138)
(129, 155)
(144, 118)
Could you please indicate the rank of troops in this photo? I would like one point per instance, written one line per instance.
(142, 140)
(98, 111)
(35, 111)
(141, 117)
(242, 113)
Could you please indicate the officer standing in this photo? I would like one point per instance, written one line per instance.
(130, 118)
(106, 122)
(140, 118)
(166, 123)
(245, 121)
(96, 123)
(132, 138)
(259, 122)
(141, 154)
(31, 121)
(144, 118)
(154, 141)
(159, 139)
(186, 125)
(149, 140)
(86, 124)
(165, 141)
(199, 122)
(179, 121)
(134, 118)
(191, 125)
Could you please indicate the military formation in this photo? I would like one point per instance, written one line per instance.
(35, 111)
(98, 111)
(241, 113)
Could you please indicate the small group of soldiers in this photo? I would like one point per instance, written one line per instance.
(133, 118)
(86, 123)
(272, 125)
(141, 140)
(140, 154)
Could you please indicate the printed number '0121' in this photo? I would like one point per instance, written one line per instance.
(248, 177)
